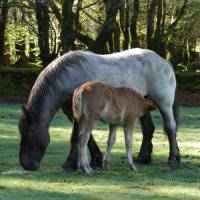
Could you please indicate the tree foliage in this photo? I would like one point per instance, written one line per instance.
(42, 29)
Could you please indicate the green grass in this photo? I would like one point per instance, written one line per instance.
(154, 181)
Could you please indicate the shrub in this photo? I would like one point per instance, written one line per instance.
(188, 81)
(17, 82)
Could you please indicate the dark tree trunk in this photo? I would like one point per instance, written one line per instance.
(158, 33)
(67, 28)
(169, 34)
(109, 34)
(3, 21)
(117, 37)
(150, 23)
(124, 23)
(163, 48)
(43, 22)
(133, 26)
(109, 26)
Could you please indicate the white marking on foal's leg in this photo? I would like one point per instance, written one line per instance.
(128, 141)
(110, 142)
(83, 161)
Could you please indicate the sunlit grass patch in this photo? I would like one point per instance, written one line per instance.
(154, 181)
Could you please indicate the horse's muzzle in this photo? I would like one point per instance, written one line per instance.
(31, 165)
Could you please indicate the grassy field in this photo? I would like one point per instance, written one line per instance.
(154, 181)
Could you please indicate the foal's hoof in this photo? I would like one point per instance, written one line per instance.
(174, 162)
(87, 169)
(133, 168)
(105, 165)
(143, 159)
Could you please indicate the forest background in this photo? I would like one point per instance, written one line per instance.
(35, 32)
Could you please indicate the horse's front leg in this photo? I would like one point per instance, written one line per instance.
(148, 128)
(95, 153)
(71, 162)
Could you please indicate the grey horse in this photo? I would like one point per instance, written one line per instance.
(138, 69)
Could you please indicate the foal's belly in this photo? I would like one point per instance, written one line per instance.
(112, 116)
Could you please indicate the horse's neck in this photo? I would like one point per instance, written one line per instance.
(43, 108)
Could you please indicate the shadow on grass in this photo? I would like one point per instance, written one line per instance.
(189, 170)
(23, 193)
(140, 185)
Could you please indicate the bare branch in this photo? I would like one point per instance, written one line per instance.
(88, 6)
(91, 17)
(55, 10)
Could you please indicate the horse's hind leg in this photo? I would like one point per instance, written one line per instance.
(170, 129)
(166, 104)
(148, 128)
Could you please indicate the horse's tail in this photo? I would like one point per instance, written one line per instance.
(176, 109)
(175, 106)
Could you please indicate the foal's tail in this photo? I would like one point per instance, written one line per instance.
(176, 109)
(77, 104)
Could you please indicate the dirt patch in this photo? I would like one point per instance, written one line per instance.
(187, 98)
(13, 99)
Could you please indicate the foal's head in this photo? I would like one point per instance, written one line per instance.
(148, 105)
(34, 141)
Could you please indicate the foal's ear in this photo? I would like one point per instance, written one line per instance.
(26, 113)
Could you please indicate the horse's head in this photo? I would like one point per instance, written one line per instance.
(34, 141)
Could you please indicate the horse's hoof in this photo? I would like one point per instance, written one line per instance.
(96, 163)
(143, 159)
(69, 166)
(174, 162)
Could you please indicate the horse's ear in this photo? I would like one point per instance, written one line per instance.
(26, 113)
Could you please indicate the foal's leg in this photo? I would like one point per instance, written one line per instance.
(83, 161)
(85, 127)
(71, 161)
(128, 133)
(148, 128)
(110, 142)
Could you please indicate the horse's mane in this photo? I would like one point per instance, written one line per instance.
(48, 80)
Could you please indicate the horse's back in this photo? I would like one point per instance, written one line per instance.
(138, 69)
